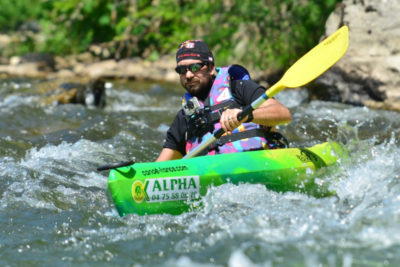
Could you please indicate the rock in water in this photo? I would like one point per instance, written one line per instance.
(369, 72)
(93, 94)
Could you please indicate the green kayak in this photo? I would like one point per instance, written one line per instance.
(177, 186)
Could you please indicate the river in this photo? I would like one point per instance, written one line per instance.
(54, 209)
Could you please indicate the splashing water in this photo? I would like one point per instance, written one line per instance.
(55, 210)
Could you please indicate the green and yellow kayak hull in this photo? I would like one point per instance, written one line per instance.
(176, 186)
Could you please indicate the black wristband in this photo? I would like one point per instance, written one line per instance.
(250, 117)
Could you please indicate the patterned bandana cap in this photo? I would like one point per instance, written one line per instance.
(194, 49)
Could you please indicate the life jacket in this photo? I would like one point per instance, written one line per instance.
(205, 119)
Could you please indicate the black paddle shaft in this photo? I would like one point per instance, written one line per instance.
(115, 165)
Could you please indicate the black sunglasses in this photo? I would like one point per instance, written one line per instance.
(192, 67)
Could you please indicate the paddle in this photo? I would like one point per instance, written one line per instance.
(303, 71)
(115, 165)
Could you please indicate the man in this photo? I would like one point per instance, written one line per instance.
(213, 100)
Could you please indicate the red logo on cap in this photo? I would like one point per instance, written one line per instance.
(189, 55)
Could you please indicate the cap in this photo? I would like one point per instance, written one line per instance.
(194, 49)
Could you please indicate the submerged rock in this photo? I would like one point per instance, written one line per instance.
(93, 94)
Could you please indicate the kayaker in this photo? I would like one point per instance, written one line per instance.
(213, 100)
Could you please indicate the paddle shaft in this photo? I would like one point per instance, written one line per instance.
(115, 165)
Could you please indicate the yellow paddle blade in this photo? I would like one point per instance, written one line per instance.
(314, 63)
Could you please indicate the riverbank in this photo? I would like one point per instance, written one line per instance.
(87, 66)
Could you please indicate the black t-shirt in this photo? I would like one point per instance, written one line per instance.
(244, 93)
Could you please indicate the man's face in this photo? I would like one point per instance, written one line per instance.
(197, 83)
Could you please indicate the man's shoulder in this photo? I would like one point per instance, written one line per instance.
(246, 91)
(180, 115)
(244, 84)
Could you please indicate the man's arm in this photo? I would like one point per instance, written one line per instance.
(270, 113)
(175, 142)
(169, 154)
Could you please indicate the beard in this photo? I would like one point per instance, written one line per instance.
(199, 88)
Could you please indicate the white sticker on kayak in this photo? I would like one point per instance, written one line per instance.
(172, 188)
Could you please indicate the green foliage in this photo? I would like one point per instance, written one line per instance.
(15, 12)
(258, 33)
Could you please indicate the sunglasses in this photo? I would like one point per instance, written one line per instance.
(192, 67)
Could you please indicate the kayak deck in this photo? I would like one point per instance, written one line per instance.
(176, 186)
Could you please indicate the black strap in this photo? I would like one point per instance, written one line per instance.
(275, 138)
(271, 137)
(225, 105)
(239, 136)
(204, 119)
(217, 110)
